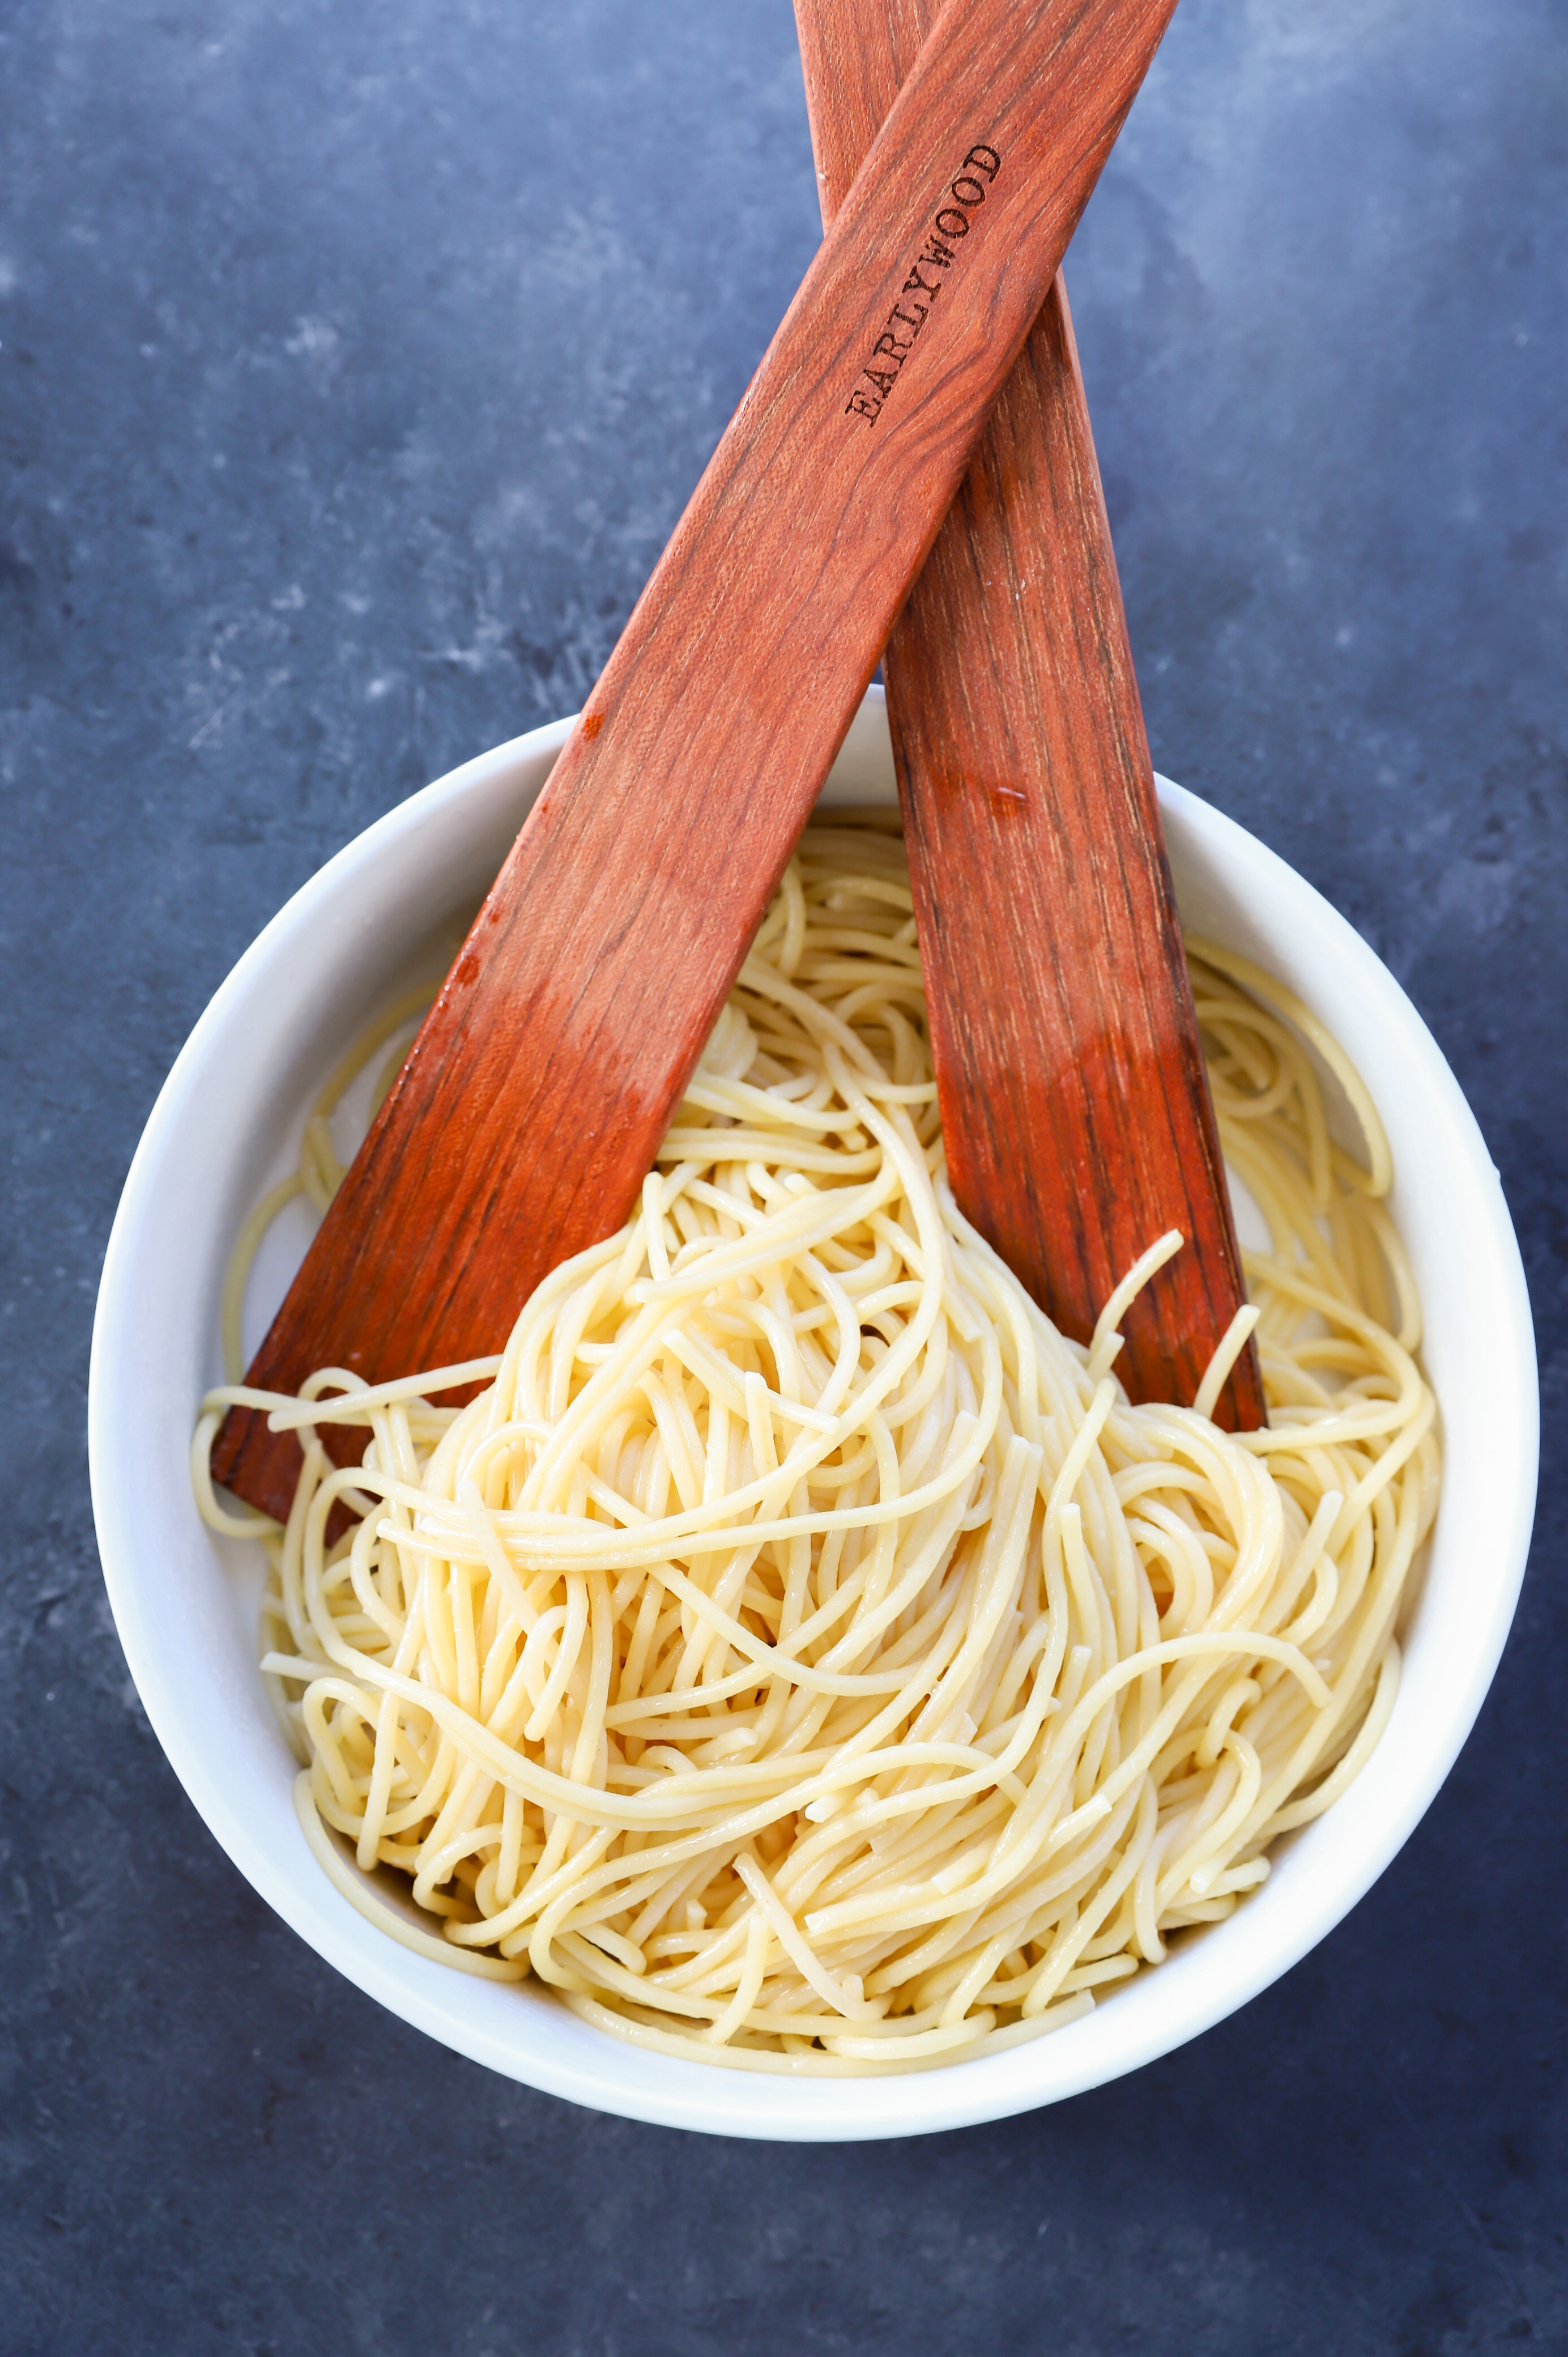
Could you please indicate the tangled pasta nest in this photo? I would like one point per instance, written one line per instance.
(798, 1654)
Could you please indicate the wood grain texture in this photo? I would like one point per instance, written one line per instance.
(534, 1097)
(1074, 1099)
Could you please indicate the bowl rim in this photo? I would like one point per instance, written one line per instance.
(697, 2096)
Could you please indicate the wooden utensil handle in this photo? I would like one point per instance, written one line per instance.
(1074, 1099)
(535, 1096)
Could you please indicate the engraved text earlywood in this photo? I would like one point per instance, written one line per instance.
(923, 285)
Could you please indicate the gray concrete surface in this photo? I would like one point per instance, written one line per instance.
(354, 365)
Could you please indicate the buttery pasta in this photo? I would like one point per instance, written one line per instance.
(798, 1654)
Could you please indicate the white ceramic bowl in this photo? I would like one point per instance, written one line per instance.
(228, 1120)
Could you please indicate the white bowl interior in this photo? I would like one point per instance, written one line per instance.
(227, 1121)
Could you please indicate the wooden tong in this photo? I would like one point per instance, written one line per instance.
(533, 1099)
(1075, 1103)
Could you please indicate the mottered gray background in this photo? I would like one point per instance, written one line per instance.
(355, 364)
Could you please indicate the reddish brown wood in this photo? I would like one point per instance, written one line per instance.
(1074, 1098)
(534, 1097)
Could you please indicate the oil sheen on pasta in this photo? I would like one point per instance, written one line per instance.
(799, 1655)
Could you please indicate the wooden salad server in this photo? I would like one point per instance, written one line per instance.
(1074, 1102)
(534, 1097)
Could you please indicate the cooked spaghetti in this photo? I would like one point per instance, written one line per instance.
(799, 1655)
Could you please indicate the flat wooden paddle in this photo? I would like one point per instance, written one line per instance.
(1075, 1104)
(533, 1100)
